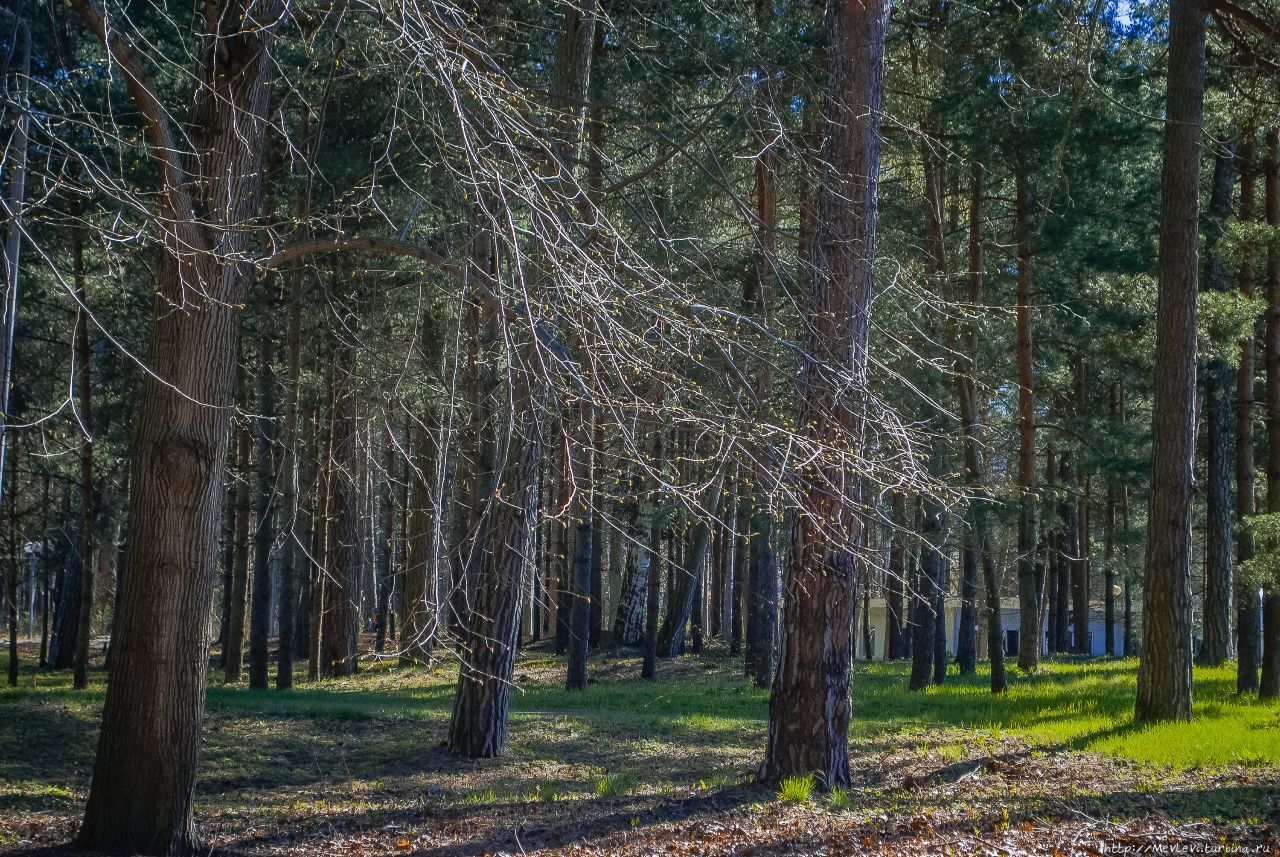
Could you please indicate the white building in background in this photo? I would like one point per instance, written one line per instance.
(1010, 621)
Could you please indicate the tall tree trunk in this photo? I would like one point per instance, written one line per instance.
(233, 647)
(1248, 605)
(762, 595)
(628, 623)
(1269, 684)
(596, 635)
(895, 578)
(1069, 544)
(995, 628)
(421, 578)
(578, 449)
(478, 727)
(1109, 545)
(322, 505)
(1028, 592)
(384, 549)
(45, 583)
(653, 587)
(13, 562)
(757, 300)
(1164, 672)
(740, 591)
(144, 774)
(264, 531)
(293, 548)
(13, 206)
(1130, 641)
(88, 499)
(1219, 439)
(976, 542)
(810, 706)
(338, 622)
(924, 598)
(940, 614)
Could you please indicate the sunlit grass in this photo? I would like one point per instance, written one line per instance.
(795, 789)
(700, 720)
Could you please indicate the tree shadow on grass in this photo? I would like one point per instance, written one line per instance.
(517, 826)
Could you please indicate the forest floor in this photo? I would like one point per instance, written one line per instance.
(629, 767)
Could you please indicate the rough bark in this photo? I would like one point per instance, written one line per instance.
(478, 726)
(628, 623)
(810, 706)
(578, 449)
(924, 599)
(1164, 671)
(144, 775)
(995, 627)
(1219, 435)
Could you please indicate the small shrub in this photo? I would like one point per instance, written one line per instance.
(839, 797)
(615, 785)
(796, 789)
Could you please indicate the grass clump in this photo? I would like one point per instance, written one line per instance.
(839, 798)
(481, 797)
(545, 792)
(616, 785)
(796, 789)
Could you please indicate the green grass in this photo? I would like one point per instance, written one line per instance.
(1083, 705)
(366, 745)
(616, 785)
(839, 798)
(795, 789)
